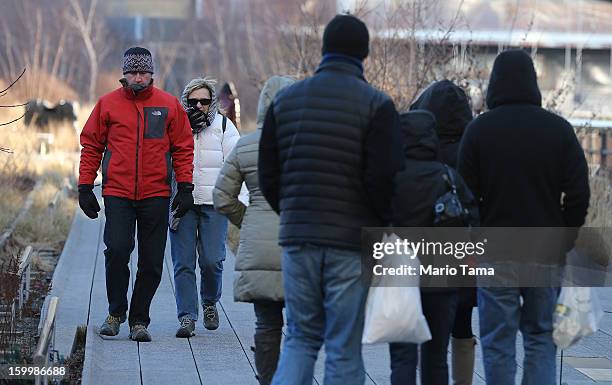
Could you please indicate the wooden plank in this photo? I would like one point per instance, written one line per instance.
(73, 276)
(167, 359)
(109, 360)
(219, 354)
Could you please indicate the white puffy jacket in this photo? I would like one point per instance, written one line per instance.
(211, 148)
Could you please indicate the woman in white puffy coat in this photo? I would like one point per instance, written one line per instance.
(202, 228)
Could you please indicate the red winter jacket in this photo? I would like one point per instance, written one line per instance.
(142, 137)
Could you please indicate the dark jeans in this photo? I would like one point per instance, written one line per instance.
(268, 333)
(122, 217)
(463, 318)
(439, 310)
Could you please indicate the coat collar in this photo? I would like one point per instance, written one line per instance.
(334, 63)
(142, 95)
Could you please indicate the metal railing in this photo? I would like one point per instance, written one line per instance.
(46, 341)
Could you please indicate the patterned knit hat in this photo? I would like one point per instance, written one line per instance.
(137, 59)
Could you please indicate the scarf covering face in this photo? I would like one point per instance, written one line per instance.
(134, 87)
(196, 84)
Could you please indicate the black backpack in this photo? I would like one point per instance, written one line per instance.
(448, 209)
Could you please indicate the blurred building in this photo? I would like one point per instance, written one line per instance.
(569, 39)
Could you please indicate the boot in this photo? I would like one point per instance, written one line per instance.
(463, 350)
(267, 351)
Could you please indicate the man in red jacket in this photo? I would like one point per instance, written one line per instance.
(140, 133)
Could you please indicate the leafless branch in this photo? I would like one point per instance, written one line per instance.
(3, 92)
(85, 27)
(12, 121)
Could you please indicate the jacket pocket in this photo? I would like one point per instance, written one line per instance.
(155, 122)
(105, 162)
(168, 168)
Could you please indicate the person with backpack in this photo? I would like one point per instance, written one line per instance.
(425, 183)
(201, 228)
(258, 260)
(451, 108)
(526, 169)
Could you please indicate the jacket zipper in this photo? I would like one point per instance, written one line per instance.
(222, 150)
(196, 168)
(137, 149)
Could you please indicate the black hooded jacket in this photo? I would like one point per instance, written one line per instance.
(518, 158)
(422, 182)
(451, 107)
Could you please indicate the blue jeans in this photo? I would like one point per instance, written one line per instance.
(324, 300)
(204, 230)
(501, 316)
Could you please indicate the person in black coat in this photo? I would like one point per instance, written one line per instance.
(328, 154)
(526, 169)
(418, 187)
(451, 107)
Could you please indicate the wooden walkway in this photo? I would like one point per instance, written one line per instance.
(222, 356)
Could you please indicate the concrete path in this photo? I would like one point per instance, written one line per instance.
(222, 356)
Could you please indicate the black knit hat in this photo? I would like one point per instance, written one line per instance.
(137, 59)
(348, 35)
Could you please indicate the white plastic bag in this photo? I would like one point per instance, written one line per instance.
(578, 314)
(393, 309)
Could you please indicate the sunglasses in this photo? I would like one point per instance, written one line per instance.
(194, 102)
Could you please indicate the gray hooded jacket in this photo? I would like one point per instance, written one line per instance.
(258, 260)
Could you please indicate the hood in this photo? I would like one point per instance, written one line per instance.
(513, 80)
(196, 84)
(450, 106)
(419, 131)
(268, 92)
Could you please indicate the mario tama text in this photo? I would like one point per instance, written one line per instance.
(433, 271)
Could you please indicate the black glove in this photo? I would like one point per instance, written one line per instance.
(197, 119)
(183, 201)
(88, 201)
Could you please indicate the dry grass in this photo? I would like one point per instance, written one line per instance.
(600, 209)
(20, 169)
(47, 226)
(12, 199)
(597, 242)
